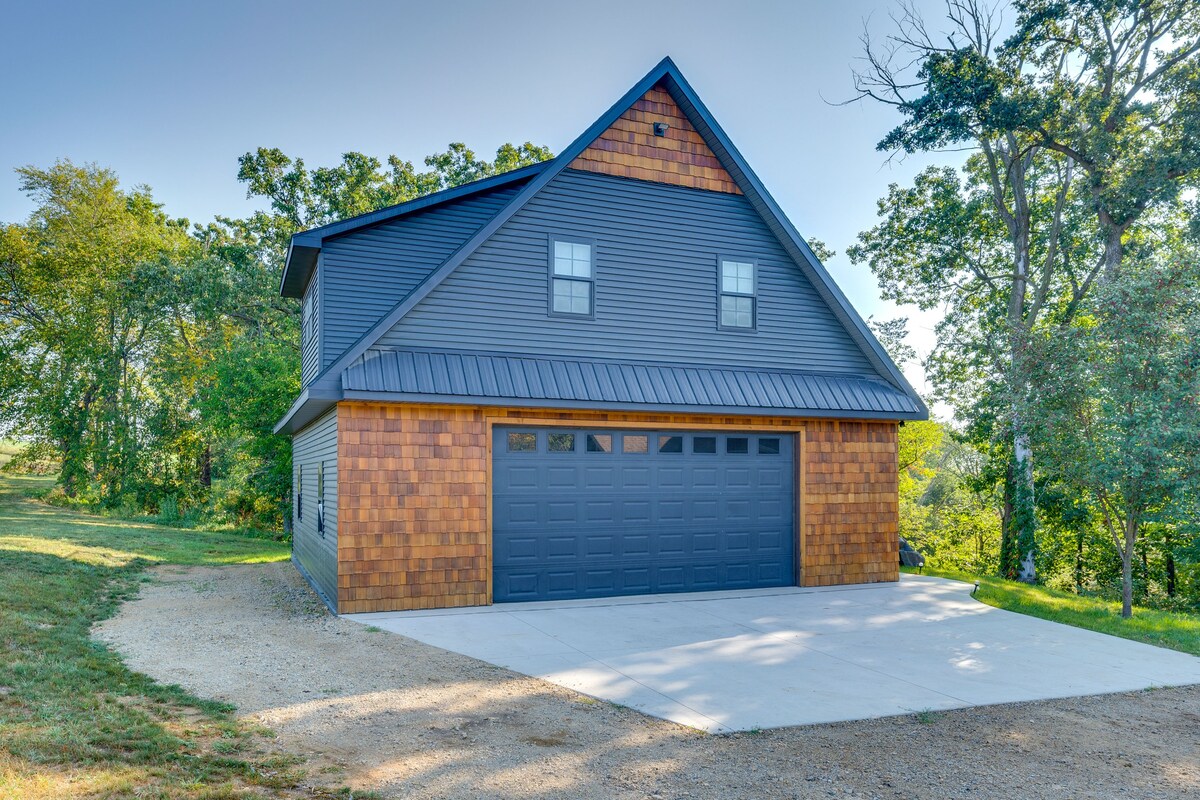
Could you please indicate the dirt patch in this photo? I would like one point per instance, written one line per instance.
(383, 712)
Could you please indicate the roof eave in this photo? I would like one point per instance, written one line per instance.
(311, 404)
(306, 245)
(599, 405)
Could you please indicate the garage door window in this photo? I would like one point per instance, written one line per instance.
(737, 445)
(635, 443)
(562, 443)
(768, 447)
(705, 445)
(670, 444)
(599, 443)
(519, 442)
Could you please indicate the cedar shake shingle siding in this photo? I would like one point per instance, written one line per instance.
(414, 483)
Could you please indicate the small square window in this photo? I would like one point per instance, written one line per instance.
(737, 445)
(599, 443)
(704, 444)
(737, 277)
(670, 444)
(635, 443)
(561, 442)
(572, 297)
(737, 312)
(573, 259)
(522, 442)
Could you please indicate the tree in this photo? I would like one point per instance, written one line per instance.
(964, 89)
(1117, 88)
(1118, 409)
(83, 287)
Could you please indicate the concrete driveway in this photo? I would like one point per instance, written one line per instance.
(727, 661)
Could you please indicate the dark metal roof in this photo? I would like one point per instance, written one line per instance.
(388, 374)
(304, 246)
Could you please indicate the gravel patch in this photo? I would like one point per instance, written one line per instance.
(383, 712)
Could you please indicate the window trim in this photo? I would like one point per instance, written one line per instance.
(553, 239)
(308, 313)
(753, 262)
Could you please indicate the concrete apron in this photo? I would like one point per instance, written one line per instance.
(767, 658)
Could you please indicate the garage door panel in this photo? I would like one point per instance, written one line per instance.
(645, 519)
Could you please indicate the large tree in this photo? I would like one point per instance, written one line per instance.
(84, 288)
(1118, 405)
(1089, 104)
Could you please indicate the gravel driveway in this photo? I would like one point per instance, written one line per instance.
(382, 712)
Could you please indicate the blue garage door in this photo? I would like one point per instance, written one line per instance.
(598, 513)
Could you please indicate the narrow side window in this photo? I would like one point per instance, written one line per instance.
(321, 497)
(737, 297)
(572, 278)
(300, 493)
(306, 319)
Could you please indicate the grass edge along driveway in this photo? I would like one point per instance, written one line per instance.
(74, 720)
(1175, 631)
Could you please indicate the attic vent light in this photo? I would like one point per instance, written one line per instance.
(660, 128)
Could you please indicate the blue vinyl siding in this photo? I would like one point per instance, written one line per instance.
(310, 348)
(656, 285)
(316, 444)
(366, 272)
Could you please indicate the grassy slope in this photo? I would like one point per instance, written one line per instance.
(74, 721)
(1162, 628)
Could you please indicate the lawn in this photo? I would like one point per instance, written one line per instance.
(74, 721)
(1162, 628)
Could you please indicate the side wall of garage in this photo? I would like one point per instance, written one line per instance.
(414, 505)
(314, 469)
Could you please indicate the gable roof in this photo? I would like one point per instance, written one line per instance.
(667, 76)
(304, 246)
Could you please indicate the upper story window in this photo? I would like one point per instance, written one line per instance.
(308, 330)
(737, 301)
(572, 277)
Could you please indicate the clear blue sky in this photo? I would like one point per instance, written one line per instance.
(169, 94)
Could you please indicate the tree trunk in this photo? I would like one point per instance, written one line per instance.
(1024, 513)
(1131, 528)
(1079, 560)
(1170, 574)
(206, 467)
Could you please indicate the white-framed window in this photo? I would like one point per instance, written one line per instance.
(308, 330)
(737, 294)
(572, 277)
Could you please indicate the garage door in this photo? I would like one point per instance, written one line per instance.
(598, 513)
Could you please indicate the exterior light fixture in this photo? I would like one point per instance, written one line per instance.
(660, 128)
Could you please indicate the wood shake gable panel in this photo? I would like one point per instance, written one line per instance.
(415, 481)
(630, 148)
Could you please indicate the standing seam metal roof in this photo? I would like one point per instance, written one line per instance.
(483, 375)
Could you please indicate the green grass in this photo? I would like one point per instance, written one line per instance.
(74, 721)
(1162, 628)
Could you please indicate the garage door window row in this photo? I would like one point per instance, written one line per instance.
(635, 443)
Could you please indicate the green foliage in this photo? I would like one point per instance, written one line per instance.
(1118, 401)
(1177, 631)
(74, 719)
(148, 360)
